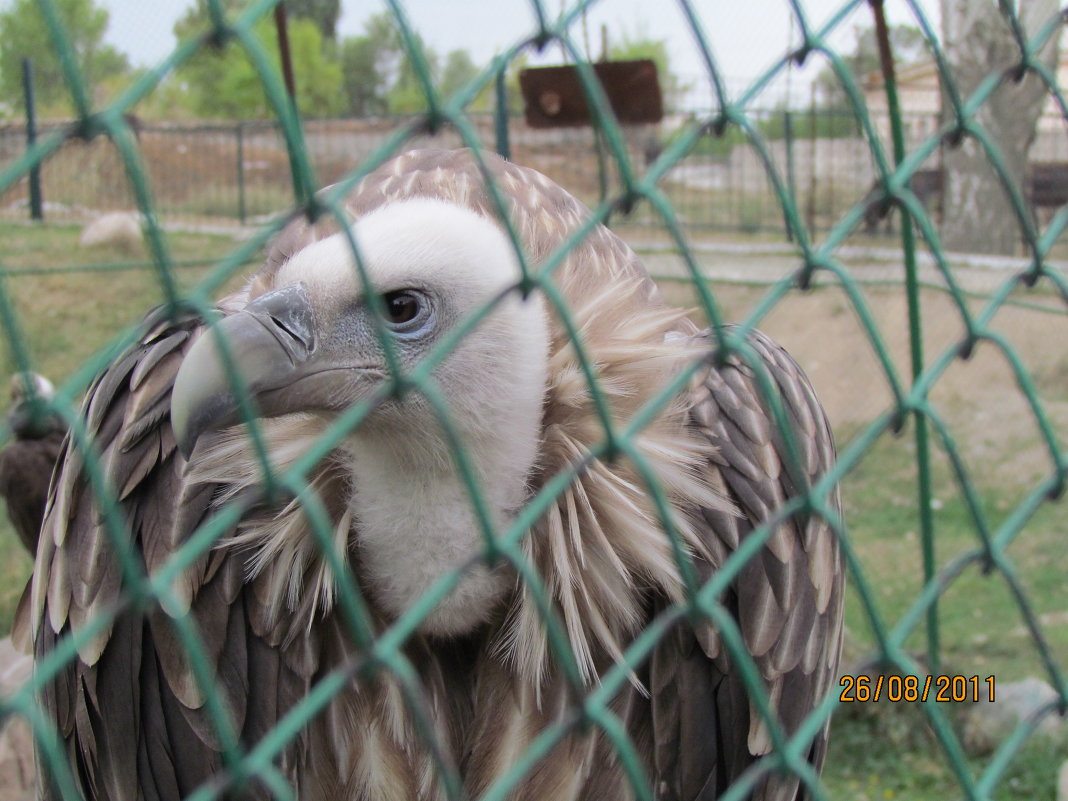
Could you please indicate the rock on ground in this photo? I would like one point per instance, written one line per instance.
(987, 724)
(17, 773)
(118, 228)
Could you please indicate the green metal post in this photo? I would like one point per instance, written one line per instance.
(503, 146)
(908, 243)
(242, 209)
(813, 139)
(791, 179)
(36, 204)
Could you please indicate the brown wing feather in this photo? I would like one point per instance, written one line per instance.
(787, 600)
(157, 742)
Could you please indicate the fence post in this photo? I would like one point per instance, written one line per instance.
(912, 294)
(814, 144)
(36, 206)
(282, 27)
(242, 210)
(791, 179)
(503, 147)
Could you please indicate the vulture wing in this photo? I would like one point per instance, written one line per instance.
(787, 600)
(132, 718)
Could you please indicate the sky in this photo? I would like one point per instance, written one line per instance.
(746, 37)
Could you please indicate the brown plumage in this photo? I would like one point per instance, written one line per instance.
(264, 599)
(27, 461)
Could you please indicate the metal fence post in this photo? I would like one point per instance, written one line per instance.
(791, 180)
(501, 116)
(912, 293)
(36, 206)
(814, 144)
(242, 209)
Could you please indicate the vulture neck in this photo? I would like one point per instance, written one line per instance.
(414, 519)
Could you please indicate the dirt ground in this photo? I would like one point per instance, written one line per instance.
(980, 399)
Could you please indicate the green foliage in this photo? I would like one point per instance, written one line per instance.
(379, 77)
(224, 83)
(459, 70)
(399, 82)
(23, 33)
(363, 75)
(324, 13)
(361, 81)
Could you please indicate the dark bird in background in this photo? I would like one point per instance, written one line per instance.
(165, 422)
(27, 461)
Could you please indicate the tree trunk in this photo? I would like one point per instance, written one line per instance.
(978, 215)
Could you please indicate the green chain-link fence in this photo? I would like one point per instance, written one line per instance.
(995, 525)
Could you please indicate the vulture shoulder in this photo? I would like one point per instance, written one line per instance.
(160, 742)
(787, 600)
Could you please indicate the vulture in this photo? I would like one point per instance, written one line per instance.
(324, 330)
(27, 462)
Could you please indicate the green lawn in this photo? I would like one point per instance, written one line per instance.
(886, 750)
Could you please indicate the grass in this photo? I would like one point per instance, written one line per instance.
(980, 621)
(887, 750)
(878, 751)
(67, 315)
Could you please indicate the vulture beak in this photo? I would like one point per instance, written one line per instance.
(275, 345)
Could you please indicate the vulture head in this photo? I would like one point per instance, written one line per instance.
(28, 418)
(308, 341)
(25, 385)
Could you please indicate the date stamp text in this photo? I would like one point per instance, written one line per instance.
(948, 689)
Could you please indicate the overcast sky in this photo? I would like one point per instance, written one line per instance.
(746, 37)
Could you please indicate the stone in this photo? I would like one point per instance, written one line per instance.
(17, 771)
(986, 724)
(120, 229)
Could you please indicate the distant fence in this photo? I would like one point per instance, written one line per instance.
(239, 171)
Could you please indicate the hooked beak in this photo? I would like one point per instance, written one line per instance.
(275, 347)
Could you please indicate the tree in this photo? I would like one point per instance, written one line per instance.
(906, 41)
(225, 83)
(362, 83)
(23, 32)
(978, 215)
(459, 69)
(379, 75)
(324, 13)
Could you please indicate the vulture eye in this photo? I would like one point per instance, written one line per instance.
(405, 310)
